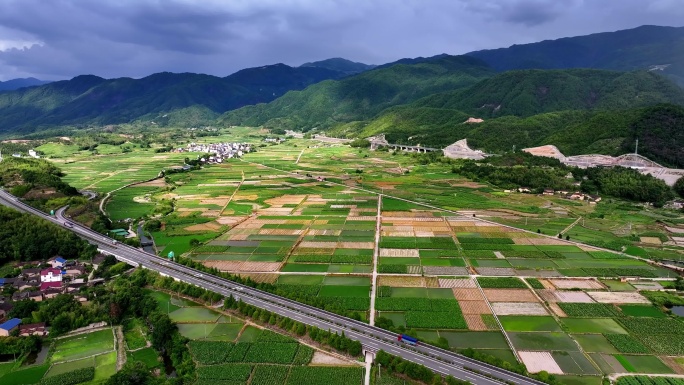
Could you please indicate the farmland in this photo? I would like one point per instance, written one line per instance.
(89, 357)
(316, 221)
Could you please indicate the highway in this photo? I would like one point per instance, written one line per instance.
(372, 338)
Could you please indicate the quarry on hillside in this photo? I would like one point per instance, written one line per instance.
(636, 161)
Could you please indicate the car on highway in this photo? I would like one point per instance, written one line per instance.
(115, 242)
(68, 224)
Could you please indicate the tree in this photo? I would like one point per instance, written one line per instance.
(679, 187)
(23, 309)
(133, 373)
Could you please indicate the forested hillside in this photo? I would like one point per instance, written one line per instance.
(166, 98)
(530, 92)
(362, 96)
(632, 49)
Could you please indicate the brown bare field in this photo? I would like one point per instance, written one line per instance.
(617, 297)
(238, 266)
(230, 220)
(361, 218)
(547, 295)
(466, 294)
(474, 322)
(516, 308)
(509, 295)
(153, 183)
(547, 284)
(211, 213)
(355, 245)
(539, 361)
(457, 283)
(474, 307)
(221, 201)
(651, 240)
(674, 365)
(320, 358)
(577, 284)
(318, 245)
(280, 232)
(397, 281)
(431, 282)
(399, 253)
(557, 310)
(261, 277)
(209, 226)
(572, 296)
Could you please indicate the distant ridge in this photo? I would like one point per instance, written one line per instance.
(342, 65)
(641, 48)
(15, 84)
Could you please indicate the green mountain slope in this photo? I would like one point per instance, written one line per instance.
(522, 108)
(339, 64)
(360, 97)
(530, 92)
(190, 98)
(633, 49)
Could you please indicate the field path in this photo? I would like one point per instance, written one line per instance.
(299, 157)
(570, 226)
(374, 284)
(496, 318)
(120, 348)
(232, 195)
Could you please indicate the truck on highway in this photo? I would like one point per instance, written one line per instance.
(407, 339)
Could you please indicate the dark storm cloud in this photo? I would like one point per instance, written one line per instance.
(55, 39)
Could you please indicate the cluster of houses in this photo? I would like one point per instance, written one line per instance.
(36, 329)
(574, 196)
(221, 151)
(59, 276)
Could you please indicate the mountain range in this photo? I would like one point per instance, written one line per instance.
(15, 84)
(597, 86)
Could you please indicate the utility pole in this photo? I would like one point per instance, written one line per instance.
(636, 147)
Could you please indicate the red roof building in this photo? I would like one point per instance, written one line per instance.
(50, 285)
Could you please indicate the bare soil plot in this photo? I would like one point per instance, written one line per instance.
(320, 358)
(517, 308)
(617, 297)
(474, 322)
(398, 281)
(577, 284)
(210, 226)
(651, 240)
(538, 361)
(547, 284)
(572, 296)
(474, 307)
(509, 295)
(542, 241)
(467, 294)
(230, 221)
(445, 270)
(557, 310)
(431, 282)
(238, 266)
(355, 245)
(547, 295)
(496, 271)
(399, 253)
(318, 245)
(457, 283)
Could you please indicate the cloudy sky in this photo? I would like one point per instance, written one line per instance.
(59, 39)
